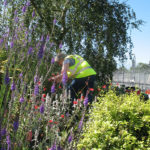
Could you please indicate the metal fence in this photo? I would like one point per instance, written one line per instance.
(139, 78)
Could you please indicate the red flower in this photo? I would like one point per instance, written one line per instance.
(39, 83)
(75, 102)
(117, 84)
(104, 86)
(91, 89)
(62, 116)
(43, 100)
(50, 121)
(44, 89)
(29, 136)
(59, 86)
(36, 107)
(56, 122)
(82, 97)
(44, 95)
(78, 99)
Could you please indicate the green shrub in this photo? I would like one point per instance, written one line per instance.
(117, 122)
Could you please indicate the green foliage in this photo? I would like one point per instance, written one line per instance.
(117, 122)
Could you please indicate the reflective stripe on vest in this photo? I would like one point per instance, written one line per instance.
(75, 71)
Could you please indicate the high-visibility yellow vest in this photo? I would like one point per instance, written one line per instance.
(80, 69)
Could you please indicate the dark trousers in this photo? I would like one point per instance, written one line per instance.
(82, 85)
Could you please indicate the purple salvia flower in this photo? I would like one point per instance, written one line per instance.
(11, 44)
(36, 79)
(80, 123)
(60, 45)
(36, 90)
(53, 88)
(59, 148)
(16, 19)
(53, 147)
(41, 50)
(21, 75)
(1, 41)
(54, 21)
(28, 3)
(24, 9)
(52, 60)
(47, 38)
(15, 13)
(16, 35)
(16, 125)
(42, 38)
(33, 14)
(8, 142)
(30, 50)
(67, 114)
(70, 138)
(7, 79)
(64, 78)
(6, 46)
(3, 132)
(42, 109)
(21, 99)
(13, 86)
(85, 101)
(5, 2)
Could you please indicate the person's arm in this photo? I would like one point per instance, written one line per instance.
(58, 78)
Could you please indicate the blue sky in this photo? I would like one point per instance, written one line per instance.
(141, 39)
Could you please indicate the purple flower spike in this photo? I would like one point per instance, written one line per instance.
(15, 13)
(16, 125)
(54, 21)
(36, 90)
(80, 123)
(6, 46)
(11, 44)
(13, 86)
(3, 132)
(59, 148)
(42, 38)
(52, 60)
(5, 2)
(85, 101)
(28, 3)
(53, 147)
(8, 141)
(53, 88)
(64, 78)
(36, 79)
(21, 75)
(33, 14)
(42, 109)
(60, 45)
(21, 99)
(30, 50)
(24, 9)
(1, 41)
(70, 138)
(41, 50)
(16, 19)
(7, 78)
(47, 38)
